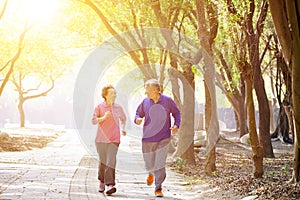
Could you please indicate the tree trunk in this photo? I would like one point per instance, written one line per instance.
(242, 117)
(253, 38)
(271, 107)
(211, 123)
(235, 95)
(210, 162)
(285, 16)
(21, 112)
(186, 138)
(264, 115)
(289, 113)
(185, 147)
(293, 14)
(256, 148)
(238, 103)
(206, 36)
(295, 177)
(282, 126)
(207, 109)
(296, 106)
(211, 118)
(296, 84)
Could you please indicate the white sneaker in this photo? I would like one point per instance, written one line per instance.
(101, 187)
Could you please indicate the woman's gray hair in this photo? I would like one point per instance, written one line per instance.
(153, 82)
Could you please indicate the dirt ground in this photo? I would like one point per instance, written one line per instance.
(234, 178)
(11, 141)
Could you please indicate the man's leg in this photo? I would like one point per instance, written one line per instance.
(149, 155)
(160, 162)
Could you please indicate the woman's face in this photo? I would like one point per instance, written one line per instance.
(111, 95)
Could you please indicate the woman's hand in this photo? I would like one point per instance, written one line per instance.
(107, 114)
(104, 117)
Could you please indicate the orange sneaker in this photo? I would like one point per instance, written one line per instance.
(158, 193)
(150, 179)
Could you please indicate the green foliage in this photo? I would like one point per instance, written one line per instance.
(215, 174)
(194, 69)
(284, 168)
(180, 163)
(196, 180)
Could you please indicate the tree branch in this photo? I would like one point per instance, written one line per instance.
(265, 49)
(3, 9)
(123, 42)
(262, 17)
(14, 59)
(42, 93)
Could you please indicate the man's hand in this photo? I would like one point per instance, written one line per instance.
(138, 121)
(174, 129)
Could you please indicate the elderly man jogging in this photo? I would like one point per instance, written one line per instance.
(156, 110)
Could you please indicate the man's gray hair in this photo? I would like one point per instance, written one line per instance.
(153, 82)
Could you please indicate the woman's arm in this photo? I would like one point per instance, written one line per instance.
(96, 116)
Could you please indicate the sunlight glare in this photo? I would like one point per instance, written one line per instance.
(39, 11)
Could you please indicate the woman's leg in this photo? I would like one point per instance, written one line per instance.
(112, 150)
(101, 149)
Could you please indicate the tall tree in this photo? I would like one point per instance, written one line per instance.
(252, 28)
(35, 73)
(40, 57)
(25, 94)
(283, 83)
(232, 86)
(286, 17)
(207, 32)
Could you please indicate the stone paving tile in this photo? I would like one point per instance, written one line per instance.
(42, 173)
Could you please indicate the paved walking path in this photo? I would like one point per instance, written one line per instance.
(64, 170)
(42, 173)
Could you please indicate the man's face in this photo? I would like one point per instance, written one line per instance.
(151, 91)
